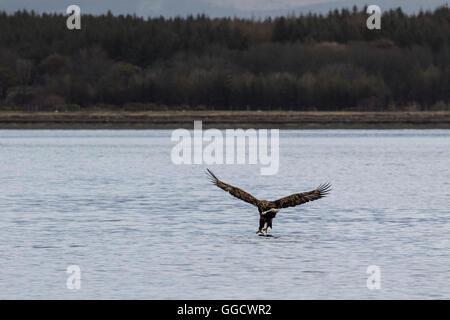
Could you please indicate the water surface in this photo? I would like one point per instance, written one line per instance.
(140, 227)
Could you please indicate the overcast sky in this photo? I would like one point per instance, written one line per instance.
(215, 8)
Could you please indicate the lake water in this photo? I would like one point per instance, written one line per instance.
(140, 227)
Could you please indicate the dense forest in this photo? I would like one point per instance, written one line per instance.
(308, 62)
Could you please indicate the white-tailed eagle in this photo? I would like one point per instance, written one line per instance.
(268, 209)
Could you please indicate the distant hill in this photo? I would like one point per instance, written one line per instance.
(408, 6)
(210, 7)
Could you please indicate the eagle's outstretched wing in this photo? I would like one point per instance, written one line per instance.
(299, 198)
(238, 193)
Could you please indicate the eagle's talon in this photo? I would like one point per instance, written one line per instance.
(259, 231)
(265, 229)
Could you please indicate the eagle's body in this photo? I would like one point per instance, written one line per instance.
(268, 209)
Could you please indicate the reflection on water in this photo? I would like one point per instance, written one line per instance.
(140, 227)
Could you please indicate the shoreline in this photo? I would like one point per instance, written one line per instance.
(227, 120)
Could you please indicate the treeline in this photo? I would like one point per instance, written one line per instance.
(308, 62)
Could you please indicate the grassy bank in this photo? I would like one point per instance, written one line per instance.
(226, 119)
